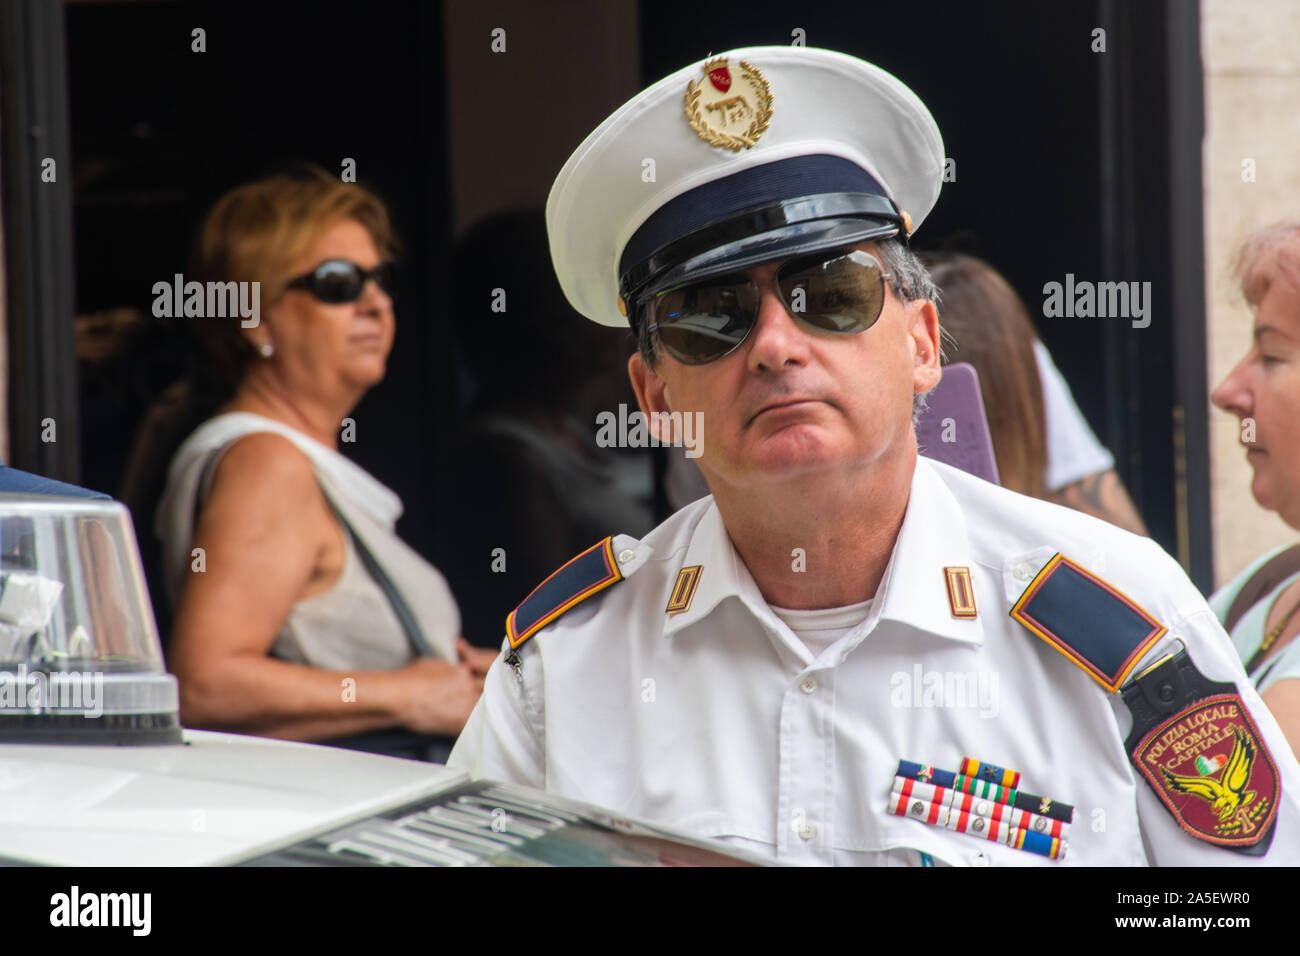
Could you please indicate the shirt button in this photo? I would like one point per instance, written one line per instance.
(1023, 572)
(807, 831)
(808, 685)
(626, 555)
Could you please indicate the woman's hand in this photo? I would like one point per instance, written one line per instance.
(438, 695)
(479, 659)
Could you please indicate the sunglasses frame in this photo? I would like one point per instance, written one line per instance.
(795, 264)
(381, 275)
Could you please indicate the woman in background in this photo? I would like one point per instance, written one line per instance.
(1041, 441)
(299, 613)
(1260, 608)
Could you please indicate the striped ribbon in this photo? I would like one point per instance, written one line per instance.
(1021, 799)
(979, 816)
(970, 767)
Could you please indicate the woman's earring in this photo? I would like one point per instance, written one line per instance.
(266, 349)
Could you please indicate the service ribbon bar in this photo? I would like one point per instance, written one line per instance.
(1044, 806)
(975, 805)
(979, 787)
(925, 773)
(970, 767)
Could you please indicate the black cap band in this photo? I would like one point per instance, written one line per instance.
(760, 200)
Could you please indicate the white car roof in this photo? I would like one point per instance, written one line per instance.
(216, 799)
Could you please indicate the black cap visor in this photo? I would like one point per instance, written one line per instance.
(723, 248)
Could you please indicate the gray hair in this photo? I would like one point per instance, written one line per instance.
(910, 280)
(1267, 255)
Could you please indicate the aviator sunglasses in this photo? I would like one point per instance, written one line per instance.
(841, 292)
(336, 281)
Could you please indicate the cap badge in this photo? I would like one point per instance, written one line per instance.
(733, 108)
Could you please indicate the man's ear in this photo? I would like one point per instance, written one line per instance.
(923, 327)
(651, 390)
(652, 396)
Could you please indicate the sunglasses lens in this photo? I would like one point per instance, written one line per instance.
(844, 294)
(337, 281)
(704, 321)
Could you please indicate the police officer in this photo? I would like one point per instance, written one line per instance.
(848, 654)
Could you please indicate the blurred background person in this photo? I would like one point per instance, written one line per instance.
(1259, 607)
(1041, 440)
(986, 326)
(299, 613)
(527, 483)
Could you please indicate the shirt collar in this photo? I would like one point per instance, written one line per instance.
(722, 573)
(933, 537)
(914, 590)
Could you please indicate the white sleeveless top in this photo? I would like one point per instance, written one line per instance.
(351, 626)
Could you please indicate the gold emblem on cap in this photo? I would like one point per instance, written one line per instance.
(622, 307)
(728, 107)
(907, 222)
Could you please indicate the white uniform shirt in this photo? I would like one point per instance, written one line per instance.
(717, 720)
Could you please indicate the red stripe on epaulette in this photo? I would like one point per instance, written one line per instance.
(552, 605)
(1112, 681)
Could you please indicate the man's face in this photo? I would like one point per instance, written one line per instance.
(1264, 388)
(792, 400)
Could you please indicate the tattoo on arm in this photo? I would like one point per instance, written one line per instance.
(1103, 496)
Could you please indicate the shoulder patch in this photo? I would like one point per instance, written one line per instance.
(590, 572)
(1196, 744)
(1211, 768)
(1100, 629)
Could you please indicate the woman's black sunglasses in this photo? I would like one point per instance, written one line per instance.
(336, 281)
(841, 292)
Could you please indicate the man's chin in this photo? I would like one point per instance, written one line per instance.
(780, 463)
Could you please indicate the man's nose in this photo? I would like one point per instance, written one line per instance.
(778, 340)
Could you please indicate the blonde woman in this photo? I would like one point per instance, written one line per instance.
(299, 613)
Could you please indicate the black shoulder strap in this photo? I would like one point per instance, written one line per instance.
(400, 607)
(1262, 583)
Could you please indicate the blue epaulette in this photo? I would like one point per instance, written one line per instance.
(593, 570)
(1100, 629)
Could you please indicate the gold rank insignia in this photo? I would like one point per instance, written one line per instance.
(688, 579)
(729, 107)
(961, 593)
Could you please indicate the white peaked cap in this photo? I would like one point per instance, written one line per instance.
(781, 149)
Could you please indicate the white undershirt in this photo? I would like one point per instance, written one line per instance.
(821, 628)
